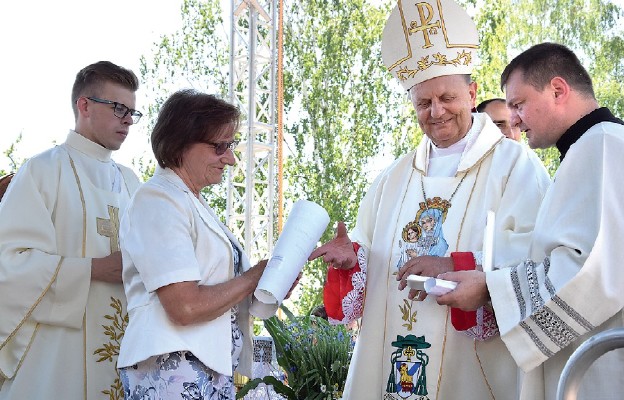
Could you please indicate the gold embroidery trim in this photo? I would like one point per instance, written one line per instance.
(84, 209)
(26, 316)
(84, 252)
(461, 228)
(115, 332)
(463, 58)
(407, 31)
(482, 370)
(439, 383)
(448, 309)
(115, 391)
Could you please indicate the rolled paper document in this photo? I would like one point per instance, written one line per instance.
(432, 286)
(488, 242)
(438, 287)
(262, 310)
(417, 282)
(303, 229)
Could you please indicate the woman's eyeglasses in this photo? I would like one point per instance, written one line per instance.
(222, 147)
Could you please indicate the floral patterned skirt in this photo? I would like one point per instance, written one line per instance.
(179, 375)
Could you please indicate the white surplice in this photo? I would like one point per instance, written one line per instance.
(414, 343)
(61, 210)
(571, 288)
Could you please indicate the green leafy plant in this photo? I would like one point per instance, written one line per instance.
(313, 354)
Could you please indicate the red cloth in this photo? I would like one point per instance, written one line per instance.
(337, 286)
(463, 320)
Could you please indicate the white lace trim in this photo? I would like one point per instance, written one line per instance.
(353, 302)
(486, 327)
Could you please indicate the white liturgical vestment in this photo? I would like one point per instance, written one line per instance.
(571, 286)
(409, 349)
(59, 331)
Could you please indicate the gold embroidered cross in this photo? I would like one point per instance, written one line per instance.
(110, 227)
(425, 26)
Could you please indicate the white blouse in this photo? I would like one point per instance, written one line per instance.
(167, 236)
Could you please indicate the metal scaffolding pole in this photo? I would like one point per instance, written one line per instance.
(253, 87)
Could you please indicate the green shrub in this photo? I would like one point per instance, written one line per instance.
(313, 355)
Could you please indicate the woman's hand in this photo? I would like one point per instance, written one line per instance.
(339, 251)
(255, 273)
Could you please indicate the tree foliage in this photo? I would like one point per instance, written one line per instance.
(589, 27)
(14, 160)
(340, 109)
(343, 109)
(196, 56)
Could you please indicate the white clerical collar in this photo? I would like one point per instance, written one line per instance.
(445, 161)
(463, 145)
(455, 148)
(86, 146)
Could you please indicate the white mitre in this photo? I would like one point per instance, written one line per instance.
(427, 39)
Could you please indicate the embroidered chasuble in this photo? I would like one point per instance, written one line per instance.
(59, 331)
(409, 349)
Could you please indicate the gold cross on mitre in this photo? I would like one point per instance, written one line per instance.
(428, 38)
(425, 14)
(110, 227)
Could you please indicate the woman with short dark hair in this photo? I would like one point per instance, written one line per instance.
(187, 279)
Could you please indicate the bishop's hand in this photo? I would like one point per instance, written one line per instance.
(430, 266)
(339, 251)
